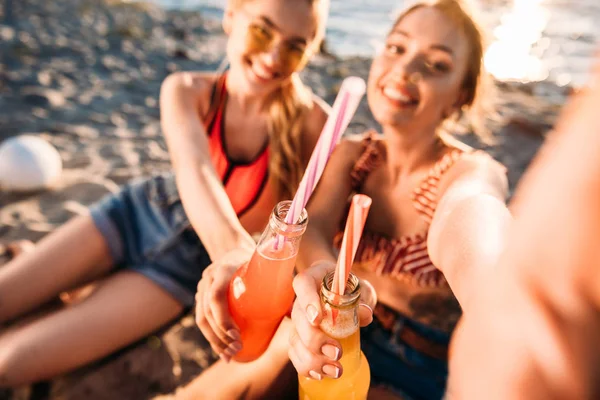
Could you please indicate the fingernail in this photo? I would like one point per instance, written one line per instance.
(315, 375)
(367, 307)
(224, 357)
(234, 334)
(235, 346)
(332, 371)
(229, 352)
(312, 313)
(331, 351)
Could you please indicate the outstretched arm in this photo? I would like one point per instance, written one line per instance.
(212, 309)
(470, 225)
(534, 331)
(203, 196)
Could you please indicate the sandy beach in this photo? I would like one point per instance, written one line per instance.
(85, 75)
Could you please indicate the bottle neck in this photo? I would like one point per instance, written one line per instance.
(341, 311)
(340, 321)
(281, 240)
(278, 224)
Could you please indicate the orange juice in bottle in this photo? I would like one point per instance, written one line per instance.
(356, 377)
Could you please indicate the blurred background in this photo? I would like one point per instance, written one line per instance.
(84, 77)
(530, 40)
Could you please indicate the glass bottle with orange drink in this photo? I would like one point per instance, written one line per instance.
(260, 292)
(356, 376)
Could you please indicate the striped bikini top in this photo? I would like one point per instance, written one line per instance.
(244, 181)
(405, 258)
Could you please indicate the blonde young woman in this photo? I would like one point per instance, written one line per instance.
(239, 142)
(437, 219)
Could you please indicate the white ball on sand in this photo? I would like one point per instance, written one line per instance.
(28, 163)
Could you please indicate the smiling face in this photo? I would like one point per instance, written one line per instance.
(269, 40)
(417, 81)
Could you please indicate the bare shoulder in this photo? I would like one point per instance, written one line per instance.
(476, 168)
(316, 117)
(195, 85)
(480, 159)
(320, 106)
(350, 149)
(480, 162)
(312, 125)
(352, 146)
(472, 160)
(197, 81)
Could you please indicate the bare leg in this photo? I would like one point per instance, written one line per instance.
(13, 249)
(72, 255)
(272, 376)
(124, 308)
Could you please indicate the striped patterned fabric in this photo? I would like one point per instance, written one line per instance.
(425, 196)
(405, 258)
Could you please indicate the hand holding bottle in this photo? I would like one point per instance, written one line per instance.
(312, 352)
(212, 308)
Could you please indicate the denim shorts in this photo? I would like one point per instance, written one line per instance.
(400, 368)
(147, 231)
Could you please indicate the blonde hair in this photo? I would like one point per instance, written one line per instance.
(287, 109)
(479, 99)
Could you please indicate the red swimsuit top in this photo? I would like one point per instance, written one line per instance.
(244, 181)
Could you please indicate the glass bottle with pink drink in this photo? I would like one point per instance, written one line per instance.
(260, 292)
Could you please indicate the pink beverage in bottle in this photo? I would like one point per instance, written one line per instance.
(260, 292)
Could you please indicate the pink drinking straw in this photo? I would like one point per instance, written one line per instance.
(344, 107)
(357, 216)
